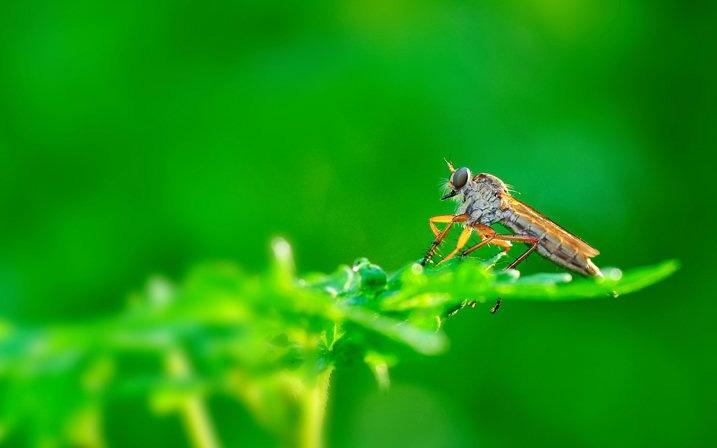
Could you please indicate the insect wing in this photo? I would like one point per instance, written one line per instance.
(542, 226)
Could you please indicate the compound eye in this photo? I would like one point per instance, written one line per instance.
(460, 177)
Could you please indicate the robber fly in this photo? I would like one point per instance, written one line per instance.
(484, 200)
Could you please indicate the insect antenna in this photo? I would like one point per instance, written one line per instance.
(450, 165)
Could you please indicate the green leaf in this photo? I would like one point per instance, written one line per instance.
(425, 342)
(264, 338)
(614, 283)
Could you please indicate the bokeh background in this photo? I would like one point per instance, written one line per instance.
(143, 137)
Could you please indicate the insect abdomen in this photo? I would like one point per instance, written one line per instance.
(560, 249)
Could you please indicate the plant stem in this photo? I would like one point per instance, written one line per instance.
(193, 411)
(311, 426)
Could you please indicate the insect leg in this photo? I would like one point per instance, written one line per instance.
(491, 237)
(442, 219)
(486, 231)
(522, 239)
(462, 240)
(488, 236)
(440, 236)
(525, 255)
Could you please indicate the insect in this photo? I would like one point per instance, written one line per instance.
(484, 200)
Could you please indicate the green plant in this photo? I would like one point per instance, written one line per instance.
(268, 341)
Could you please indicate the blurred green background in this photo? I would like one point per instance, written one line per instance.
(143, 137)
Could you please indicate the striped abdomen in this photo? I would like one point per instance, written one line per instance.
(556, 244)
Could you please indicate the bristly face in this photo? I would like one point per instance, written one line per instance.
(458, 181)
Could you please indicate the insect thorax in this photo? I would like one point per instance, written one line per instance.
(482, 200)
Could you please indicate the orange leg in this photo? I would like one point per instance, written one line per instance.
(489, 236)
(440, 235)
(441, 219)
(525, 255)
(531, 240)
(492, 237)
(534, 245)
(486, 232)
(475, 247)
(462, 241)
